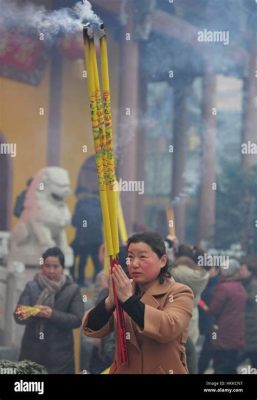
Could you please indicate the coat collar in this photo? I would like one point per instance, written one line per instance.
(156, 290)
(149, 298)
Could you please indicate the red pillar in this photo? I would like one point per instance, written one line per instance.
(206, 220)
(179, 159)
(6, 178)
(140, 153)
(249, 134)
(54, 118)
(249, 109)
(128, 115)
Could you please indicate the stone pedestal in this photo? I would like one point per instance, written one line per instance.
(11, 285)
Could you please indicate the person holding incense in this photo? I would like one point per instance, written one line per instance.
(51, 307)
(157, 311)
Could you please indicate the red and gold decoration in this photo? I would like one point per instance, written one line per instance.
(22, 57)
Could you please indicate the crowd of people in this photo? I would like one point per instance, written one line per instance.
(180, 316)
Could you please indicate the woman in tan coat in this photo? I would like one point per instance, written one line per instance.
(157, 311)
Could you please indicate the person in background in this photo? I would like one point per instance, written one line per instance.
(48, 336)
(206, 320)
(157, 311)
(87, 220)
(248, 274)
(188, 270)
(171, 244)
(19, 203)
(228, 309)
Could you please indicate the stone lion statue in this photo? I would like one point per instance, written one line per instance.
(44, 218)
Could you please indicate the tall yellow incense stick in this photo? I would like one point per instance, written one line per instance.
(102, 132)
(171, 222)
(121, 222)
(96, 133)
(100, 115)
(111, 193)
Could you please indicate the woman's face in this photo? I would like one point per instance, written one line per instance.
(143, 263)
(52, 268)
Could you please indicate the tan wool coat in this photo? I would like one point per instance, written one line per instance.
(160, 347)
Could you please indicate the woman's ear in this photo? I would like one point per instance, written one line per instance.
(164, 260)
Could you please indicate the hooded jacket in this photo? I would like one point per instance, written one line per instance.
(186, 271)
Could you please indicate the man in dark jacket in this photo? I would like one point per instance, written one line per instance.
(48, 337)
(206, 321)
(87, 220)
(228, 309)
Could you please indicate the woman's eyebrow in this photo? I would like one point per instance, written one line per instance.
(139, 252)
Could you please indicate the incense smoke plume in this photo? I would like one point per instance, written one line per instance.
(36, 18)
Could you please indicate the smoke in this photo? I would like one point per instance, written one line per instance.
(30, 17)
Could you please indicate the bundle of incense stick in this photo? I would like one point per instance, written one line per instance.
(171, 223)
(24, 312)
(101, 119)
(171, 229)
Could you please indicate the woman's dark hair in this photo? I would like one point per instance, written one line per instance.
(193, 252)
(155, 241)
(55, 252)
(251, 262)
(184, 250)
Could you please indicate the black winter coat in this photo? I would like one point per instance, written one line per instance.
(53, 347)
(88, 210)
